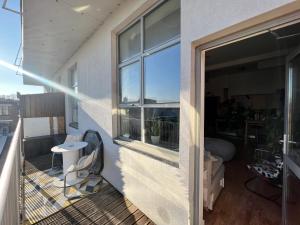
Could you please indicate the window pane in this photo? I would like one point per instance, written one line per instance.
(130, 83)
(130, 123)
(162, 24)
(75, 111)
(161, 80)
(162, 127)
(130, 42)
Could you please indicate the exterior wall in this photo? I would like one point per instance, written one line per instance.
(200, 18)
(153, 186)
(158, 189)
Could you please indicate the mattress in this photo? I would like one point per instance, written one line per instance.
(219, 147)
(214, 185)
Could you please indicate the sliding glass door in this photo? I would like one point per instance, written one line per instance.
(291, 148)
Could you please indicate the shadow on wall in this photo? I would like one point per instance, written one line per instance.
(154, 187)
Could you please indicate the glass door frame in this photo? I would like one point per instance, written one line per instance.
(288, 163)
(199, 49)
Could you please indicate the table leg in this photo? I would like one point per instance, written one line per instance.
(70, 158)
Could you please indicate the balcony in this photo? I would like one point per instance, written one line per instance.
(28, 193)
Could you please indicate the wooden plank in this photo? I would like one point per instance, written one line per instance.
(142, 221)
(107, 213)
(62, 216)
(51, 122)
(118, 219)
(96, 213)
(108, 206)
(133, 218)
(84, 213)
(61, 125)
(43, 105)
(150, 223)
(27, 107)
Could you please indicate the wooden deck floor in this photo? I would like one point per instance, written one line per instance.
(105, 207)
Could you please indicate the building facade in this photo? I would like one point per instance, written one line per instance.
(141, 39)
(9, 114)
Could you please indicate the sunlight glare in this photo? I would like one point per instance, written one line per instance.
(44, 81)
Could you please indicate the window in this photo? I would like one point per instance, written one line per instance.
(161, 76)
(162, 24)
(130, 83)
(4, 109)
(129, 42)
(149, 78)
(73, 84)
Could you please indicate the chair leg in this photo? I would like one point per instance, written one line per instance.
(53, 155)
(65, 189)
(273, 198)
(65, 181)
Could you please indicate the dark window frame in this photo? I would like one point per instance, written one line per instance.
(140, 57)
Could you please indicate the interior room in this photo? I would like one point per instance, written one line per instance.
(244, 123)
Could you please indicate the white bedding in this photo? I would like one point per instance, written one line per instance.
(219, 147)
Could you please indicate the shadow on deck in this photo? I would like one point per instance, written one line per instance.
(107, 206)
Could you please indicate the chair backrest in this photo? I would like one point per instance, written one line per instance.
(90, 160)
(72, 138)
(95, 143)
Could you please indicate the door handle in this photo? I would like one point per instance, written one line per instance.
(290, 142)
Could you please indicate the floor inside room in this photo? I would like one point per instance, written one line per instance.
(107, 206)
(238, 206)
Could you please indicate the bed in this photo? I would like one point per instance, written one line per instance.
(219, 147)
(213, 179)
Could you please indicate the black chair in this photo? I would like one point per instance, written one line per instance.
(94, 141)
(91, 160)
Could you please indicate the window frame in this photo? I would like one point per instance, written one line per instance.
(140, 57)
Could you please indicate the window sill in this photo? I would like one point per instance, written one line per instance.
(161, 154)
(73, 125)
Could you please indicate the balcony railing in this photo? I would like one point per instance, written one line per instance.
(168, 131)
(10, 182)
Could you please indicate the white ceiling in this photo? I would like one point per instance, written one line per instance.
(54, 29)
(255, 46)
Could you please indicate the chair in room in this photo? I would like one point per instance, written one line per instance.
(268, 167)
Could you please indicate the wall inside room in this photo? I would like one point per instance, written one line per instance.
(262, 86)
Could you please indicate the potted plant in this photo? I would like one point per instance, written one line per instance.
(155, 131)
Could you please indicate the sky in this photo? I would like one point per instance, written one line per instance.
(10, 39)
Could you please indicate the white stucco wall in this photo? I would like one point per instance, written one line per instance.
(200, 18)
(32, 130)
(153, 186)
(158, 189)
